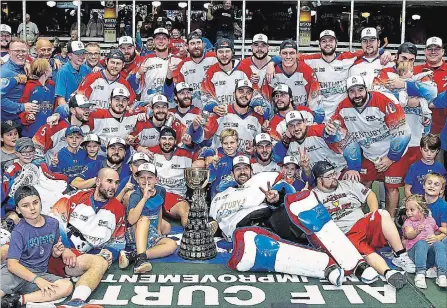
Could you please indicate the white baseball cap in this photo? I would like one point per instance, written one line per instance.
(241, 159)
(92, 137)
(262, 137)
(140, 156)
(294, 116)
(369, 32)
(244, 83)
(260, 38)
(147, 167)
(281, 87)
(116, 140)
(181, 86)
(161, 31)
(5, 28)
(434, 41)
(327, 33)
(159, 98)
(125, 40)
(79, 100)
(76, 47)
(355, 81)
(120, 91)
(290, 160)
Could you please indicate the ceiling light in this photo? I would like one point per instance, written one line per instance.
(51, 3)
(103, 3)
(76, 2)
(313, 13)
(182, 4)
(416, 17)
(206, 5)
(156, 3)
(365, 14)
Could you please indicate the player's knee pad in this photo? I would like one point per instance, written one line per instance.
(258, 250)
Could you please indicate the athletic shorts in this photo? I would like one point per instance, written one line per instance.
(152, 238)
(393, 177)
(57, 267)
(171, 200)
(366, 234)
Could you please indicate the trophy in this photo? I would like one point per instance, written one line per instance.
(197, 241)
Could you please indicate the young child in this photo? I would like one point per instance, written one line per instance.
(418, 229)
(434, 186)
(33, 241)
(290, 171)
(430, 146)
(146, 227)
(91, 144)
(9, 136)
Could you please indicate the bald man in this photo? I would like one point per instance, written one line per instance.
(44, 49)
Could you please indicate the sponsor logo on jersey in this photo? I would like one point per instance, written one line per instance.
(102, 223)
(98, 87)
(371, 118)
(393, 179)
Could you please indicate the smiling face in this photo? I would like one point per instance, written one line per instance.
(195, 48)
(370, 46)
(160, 111)
(288, 57)
(128, 51)
(434, 54)
(114, 66)
(116, 153)
(229, 145)
(184, 98)
(77, 60)
(260, 50)
(264, 151)
(5, 39)
(243, 96)
(18, 52)
(167, 144)
(161, 42)
(29, 207)
(107, 184)
(44, 49)
(81, 114)
(119, 104)
(224, 56)
(242, 173)
(26, 155)
(434, 185)
(297, 129)
(328, 44)
(282, 101)
(357, 95)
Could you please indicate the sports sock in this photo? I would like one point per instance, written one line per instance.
(81, 292)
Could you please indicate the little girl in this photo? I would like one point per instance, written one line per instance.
(417, 229)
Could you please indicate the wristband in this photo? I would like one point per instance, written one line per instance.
(34, 279)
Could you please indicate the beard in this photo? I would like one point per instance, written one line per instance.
(123, 109)
(221, 62)
(81, 118)
(106, 193)
(112, 74)
(260, 57)
(241, 182)
(328, 53)
(115, 159)
(284, 108)
(360, 104)
(182, 103)
(131, 57)
(167, 148)
(261, 158)
(242, 104)
(193, 54)
(160, 116)
(5, 45)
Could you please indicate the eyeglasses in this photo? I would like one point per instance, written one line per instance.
(93, 54)
(434, 50)
(330, 175)
(19, 51)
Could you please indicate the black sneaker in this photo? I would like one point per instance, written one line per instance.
(396, 279)
(11, 301)
(125, 258)
(142, 265)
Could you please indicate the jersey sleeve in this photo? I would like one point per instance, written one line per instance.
(209, 91)
(313, 93)
(86, 85)
(360, 191)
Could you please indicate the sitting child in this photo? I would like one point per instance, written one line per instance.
(92, 144)
(290, 171)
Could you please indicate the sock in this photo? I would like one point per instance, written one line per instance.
(141, 256)
(22, 300)
(398, 253)
(81, 292)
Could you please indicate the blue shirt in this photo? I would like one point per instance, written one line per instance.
(152, 206)
(438, 211)
(68, 79)
(91, 170)
(71, 164)
(124, 182)
(10, 105)
(32, 246)
(418, 172)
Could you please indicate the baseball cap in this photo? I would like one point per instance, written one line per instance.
(79, 100)
(168, 131)
(181, 86)
(206, 152)
(120, 91)
(290, 160)
(263, 137)
(8, 126)
(281, 87)
(355, 81)
(408, 47)
(288, 44)
(369, 32)
(116, 140)
(140, 156)
(327, 33)
(73, 129)
(125, 40)
(91, 137)
(147, 167)
(241, 159)
(260, 38)
(23, 143)
(193, 36)
(115, 54)
(159, 98)
(244, 83)
(294, 116)
(169, 22)
(321, 168)
(76, 47)
(434, 40)
(306, 113)
(5, 28)
(161, 31)
(224, 43)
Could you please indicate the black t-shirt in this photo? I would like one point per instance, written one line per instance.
(223, 18)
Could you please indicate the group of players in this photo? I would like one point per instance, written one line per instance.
(94, 150)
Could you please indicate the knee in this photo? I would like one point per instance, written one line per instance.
(392, 190)
(65, 287)
(171, 246)
(421, 244)
(98, 263)
(384, 213)
(183, 208)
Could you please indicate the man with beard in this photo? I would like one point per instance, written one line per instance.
(72, 73)
(97, 86)
(217, 85)
(5, 39)
(376, 140)
(185, 112)
(370, 64)
(344, 201)
(116, 152)
(131, 59)
(50, 139)
(170, 162)
(263, 155)
(238, 115)
(150, 77)
(92, 226)
(192, 70)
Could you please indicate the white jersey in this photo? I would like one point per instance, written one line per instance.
(258, 168)
(345, 203)
(368, 69)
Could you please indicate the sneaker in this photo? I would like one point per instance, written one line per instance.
(431, 273)
(441, 281)
(395, 279)
(11, 301)
(419, 281)
(404, 262)
(142, 265)
(125, 258)
(77, 303)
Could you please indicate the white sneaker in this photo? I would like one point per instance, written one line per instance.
(442, 281)
(404, 262)
(419, 281)
(431, 273)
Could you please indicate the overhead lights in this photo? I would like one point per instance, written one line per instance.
(51, 3)
(416, 17)
(103, 3)
(366, 14)
(182, 4)
(313, 13)
(206, 5)
(156, 3)
(76, 2)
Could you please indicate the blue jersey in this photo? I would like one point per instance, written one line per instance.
(68, 79)
(124, 182)
(439, 211)
(418, 172)
(71, 164)
(91, 170)
(220, 172)
(10, 105)
(152, 206)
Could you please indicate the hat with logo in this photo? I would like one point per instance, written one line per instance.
(115, 54)
(288, 44)
(327, 33)
(408, 47)
(161, 31)
(224, 43)
(147, 167)
(263, 137)
(125, 40)
(168, 131)
(281, 87)
(159, 98)
(79, 100)
(260, 38)
(321, 168)
(76, 47)
(241, 159)
(120, 91)
(8, 126)
(116, 140)
(181, 86)
(5, 28)
(369, 32)
(243, 83)
(193, 36)
(355, 81)
(290, 160)
(140, 156)
(91, 137)
(72, 130)
(434, 41)
(294, 115)
(23, 143)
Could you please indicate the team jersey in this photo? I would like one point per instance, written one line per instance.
(258, 168)
(175, 44)
(249, 68)
(220, 171)
(368, 69)
(49, 140)
(170, 172)
(88, 225)
(247, 125)
(344, 204)
(91, 170)
(380, 128)
(153, 80)
(43, 96)
(97, 88)
(186, 118)
(218, 86)
(70, 164)
(332, 77)
(278, 126)
(193, 73)
(148, 135)
(317, 147)
(129, 67)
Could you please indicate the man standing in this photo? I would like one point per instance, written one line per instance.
(95, 26)
(5, 39)
(224, 21)
(132, 60)
(30, 29)
(93, 54)
(263, 155)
